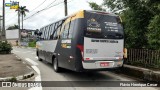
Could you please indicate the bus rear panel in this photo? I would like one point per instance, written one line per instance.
(103, 41)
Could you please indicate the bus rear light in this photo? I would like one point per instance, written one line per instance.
(88, 59)
(81, 48)
(125, 52)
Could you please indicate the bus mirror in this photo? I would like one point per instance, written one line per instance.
(40, 33)
(36, 32)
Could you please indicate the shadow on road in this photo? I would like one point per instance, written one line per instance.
(84, 76)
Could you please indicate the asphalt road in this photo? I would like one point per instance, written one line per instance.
(45, 72)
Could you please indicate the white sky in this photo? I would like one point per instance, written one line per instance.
(47, 16)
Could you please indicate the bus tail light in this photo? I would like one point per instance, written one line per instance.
(125, 52)
(87, 58)
(81, 48)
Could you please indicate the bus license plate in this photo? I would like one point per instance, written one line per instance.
(104, 64)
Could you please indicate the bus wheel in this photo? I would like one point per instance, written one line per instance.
(55, 65)
(39, 59)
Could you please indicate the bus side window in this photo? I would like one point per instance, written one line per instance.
(64, 33)
(49, 33)
(55, 31)
(70, 33)
(52, 31)
(45, 35)
(42, 34)
(67, 30)
(58, 31)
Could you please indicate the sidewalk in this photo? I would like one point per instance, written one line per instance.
(13, 67)
(142, 73)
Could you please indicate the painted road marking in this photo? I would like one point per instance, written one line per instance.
(36, 57)
(31, 61)
(36, 69)
(38, 78)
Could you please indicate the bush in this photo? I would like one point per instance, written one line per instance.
(32, 44)
(5, 47)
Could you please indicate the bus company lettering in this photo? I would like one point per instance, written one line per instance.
(93, 29)
(104, 41)
(93, 26)
(66, 41)
(112, 24)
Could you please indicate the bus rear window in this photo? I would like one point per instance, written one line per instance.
(103, 26)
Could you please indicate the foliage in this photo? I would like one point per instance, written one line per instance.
(141, 21)
(5, 47)
(32, 44)
(13, 79)
(95, 6)
(22, 10)
(154, 33)
(13, 27)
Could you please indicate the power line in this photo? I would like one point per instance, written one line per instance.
(40, 10)
(43, 10)
(39, 5)
(51, 3)
(11, 18)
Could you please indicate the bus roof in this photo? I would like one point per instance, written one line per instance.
(91, 11)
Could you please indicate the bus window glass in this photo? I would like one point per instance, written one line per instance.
(49, 32)
(43, 34)
(71, 30)
(46, 32)
(103, 26)
(55, 30)
(52, 30)
(65, 31)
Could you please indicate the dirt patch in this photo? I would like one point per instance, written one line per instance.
(11, 66)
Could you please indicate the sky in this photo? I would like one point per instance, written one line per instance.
(47, 16)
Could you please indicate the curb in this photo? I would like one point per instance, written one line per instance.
(18, 78)
(142, 73)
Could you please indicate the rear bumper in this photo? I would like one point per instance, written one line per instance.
(89, 65)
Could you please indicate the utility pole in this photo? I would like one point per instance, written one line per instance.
(0, 23)
(3, 29)
(65, 7)
(0, 26)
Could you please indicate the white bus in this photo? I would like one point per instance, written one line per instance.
(86, 40)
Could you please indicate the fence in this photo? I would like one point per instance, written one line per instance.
(143, 57)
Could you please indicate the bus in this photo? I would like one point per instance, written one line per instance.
(84, 41)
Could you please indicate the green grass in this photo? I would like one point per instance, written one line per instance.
(32, 44)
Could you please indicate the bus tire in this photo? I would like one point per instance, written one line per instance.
(39, 59)
(55, 65)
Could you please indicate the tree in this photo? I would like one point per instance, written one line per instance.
(140, 19)
(95, 6)
(12, 27)
(22, 10)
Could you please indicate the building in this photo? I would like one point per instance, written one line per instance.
(26, 36)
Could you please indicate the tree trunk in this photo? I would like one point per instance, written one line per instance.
(22, 21)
